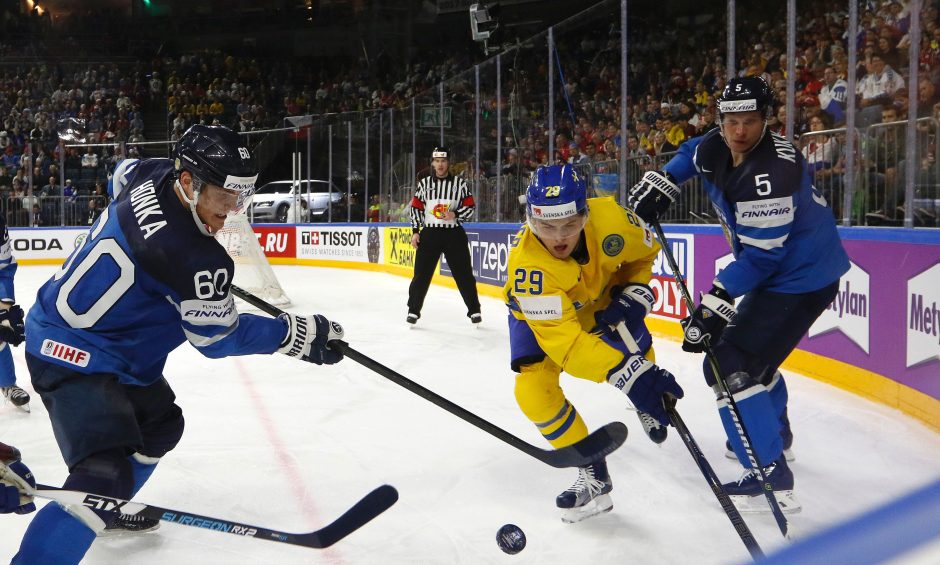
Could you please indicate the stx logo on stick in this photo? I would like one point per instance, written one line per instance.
(99, 502)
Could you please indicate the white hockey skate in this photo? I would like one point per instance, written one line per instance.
(588, 496)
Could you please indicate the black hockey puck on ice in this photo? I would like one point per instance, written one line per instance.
(511, 539)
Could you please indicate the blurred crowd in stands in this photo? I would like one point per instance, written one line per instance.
(675, 75)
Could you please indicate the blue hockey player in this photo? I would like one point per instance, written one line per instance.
(13, 315)
(149, 277)
(787, 263)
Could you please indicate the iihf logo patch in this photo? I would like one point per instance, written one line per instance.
(612, 245)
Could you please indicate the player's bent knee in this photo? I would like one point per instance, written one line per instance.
(106, 473)
(162, 435)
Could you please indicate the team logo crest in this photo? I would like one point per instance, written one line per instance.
(373, 244)
(439, 211)
(613, 244)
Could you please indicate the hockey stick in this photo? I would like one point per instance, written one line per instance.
(597, 445)
(725, 390)
(723, 499)
(370, 506)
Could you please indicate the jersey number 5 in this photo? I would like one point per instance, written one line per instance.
(763, 184)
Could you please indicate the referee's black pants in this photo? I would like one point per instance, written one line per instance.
(452, 242)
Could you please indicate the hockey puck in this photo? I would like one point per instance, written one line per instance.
(511, 539)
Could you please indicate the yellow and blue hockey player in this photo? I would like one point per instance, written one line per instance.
(578, 269)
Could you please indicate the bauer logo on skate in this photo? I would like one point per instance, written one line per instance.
(67, 353)
(923, 317)
(669, 303)
(850, 311)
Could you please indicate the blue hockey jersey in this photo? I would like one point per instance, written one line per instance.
(144, 281)
(782, 233)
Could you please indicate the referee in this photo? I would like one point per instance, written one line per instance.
(440, 205)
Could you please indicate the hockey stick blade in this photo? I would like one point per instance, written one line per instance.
(597, 445)
(370, 506)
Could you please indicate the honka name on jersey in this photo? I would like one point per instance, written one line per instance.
(145, 204)
(557, 298)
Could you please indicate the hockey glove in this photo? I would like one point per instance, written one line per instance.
(711, 316)
(309, 337)
(632, 303)
(645, 384)
(12, 329)
(651, 197)
(15, 478)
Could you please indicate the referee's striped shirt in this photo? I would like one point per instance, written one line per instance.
(435, 196)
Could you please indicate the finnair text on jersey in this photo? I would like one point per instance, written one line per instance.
(145, 204)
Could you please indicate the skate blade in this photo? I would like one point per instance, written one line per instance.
(111, 534)
(758, 504)
(599, 505)
(788, 453)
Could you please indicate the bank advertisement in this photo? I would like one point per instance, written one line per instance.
(397, 248)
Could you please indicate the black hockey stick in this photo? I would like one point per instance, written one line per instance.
(373, 504)
(723, 499)
(725, 390)
(597, 445)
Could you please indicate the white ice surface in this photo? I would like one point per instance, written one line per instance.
(273, 442)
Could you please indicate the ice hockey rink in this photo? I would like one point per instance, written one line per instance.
(274, 442)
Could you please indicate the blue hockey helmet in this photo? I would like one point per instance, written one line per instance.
(555, 192)
(217, 155)
(746, 94)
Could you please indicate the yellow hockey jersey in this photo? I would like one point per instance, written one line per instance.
(558, 297)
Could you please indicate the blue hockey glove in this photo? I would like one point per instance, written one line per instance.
(645, 384)
(651, 197)
(14, 479)
(309, 337)
(708, 320)
(632, 303)
(12, 329)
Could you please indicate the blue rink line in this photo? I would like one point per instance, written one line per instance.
(877, 536)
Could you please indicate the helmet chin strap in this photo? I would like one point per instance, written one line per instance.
(192, 206)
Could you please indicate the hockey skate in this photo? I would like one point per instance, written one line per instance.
(412, 318)
(747, 493)
(129, 524)
(654, 430)
(17, 396)
(588, 496)
(785, 434)
(476, 318)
